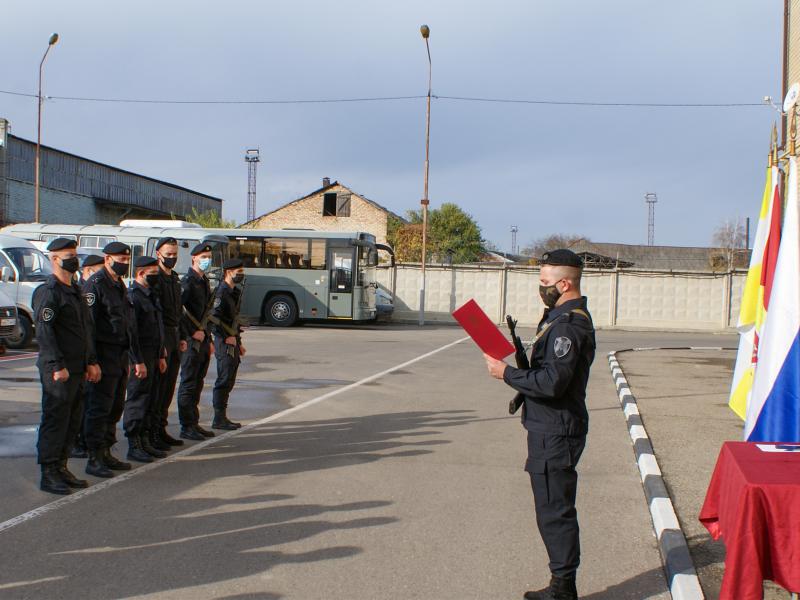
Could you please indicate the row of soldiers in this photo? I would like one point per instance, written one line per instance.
(108, 352)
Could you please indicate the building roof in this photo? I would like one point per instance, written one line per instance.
(321, 190)
(675, 258)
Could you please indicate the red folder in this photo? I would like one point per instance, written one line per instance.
(481, 329)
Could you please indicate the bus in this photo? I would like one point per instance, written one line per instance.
(298, 274)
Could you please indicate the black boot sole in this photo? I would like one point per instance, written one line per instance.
(65, 491)
(142, 458)
(105, 472)
(197, 437)
(225, 426)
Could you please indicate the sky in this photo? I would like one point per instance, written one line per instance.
(547, 169)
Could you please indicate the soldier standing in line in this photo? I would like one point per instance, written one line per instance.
(66, 360)
(91, 264)
(168, 291)
(150, 353)
(197, 298)
(228, 347)
(115, 336)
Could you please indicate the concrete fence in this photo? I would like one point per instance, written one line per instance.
(665, 300)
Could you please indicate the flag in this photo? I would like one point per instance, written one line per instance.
(773, 414)
(753, 310)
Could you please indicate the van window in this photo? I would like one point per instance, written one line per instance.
(49, 237)
(96, 241)
(6, 264)
(31, 263)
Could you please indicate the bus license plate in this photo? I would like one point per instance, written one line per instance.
(7, 322)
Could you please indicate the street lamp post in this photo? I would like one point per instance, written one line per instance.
(50, 44)
(426, 32)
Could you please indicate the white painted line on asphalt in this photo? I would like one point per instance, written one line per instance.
(630, 409)
(663, 515)
(18, 584)
(686, 587)
(648, 466)
(106, 483)
(637, 433)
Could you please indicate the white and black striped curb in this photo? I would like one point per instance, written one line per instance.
(678, 566)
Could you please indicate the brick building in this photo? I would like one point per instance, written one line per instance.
(76, 190)
(333, 207)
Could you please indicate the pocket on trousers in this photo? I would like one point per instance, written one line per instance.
(536, 465)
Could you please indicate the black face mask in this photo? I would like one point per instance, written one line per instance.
(119, 268)
(70, 265)
(169, 262)
(152, 281)
(549, 295)
(238, 278)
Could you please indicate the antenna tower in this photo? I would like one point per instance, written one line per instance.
(514, 230)
(651, 198)
(252, 159)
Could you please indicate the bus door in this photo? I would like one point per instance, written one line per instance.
(340, 298)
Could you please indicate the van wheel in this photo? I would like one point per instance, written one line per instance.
(280, 311)
(22, 334)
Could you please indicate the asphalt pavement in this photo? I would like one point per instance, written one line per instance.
(378, 462)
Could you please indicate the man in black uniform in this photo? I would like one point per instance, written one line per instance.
(196, 297)
(555, 414)
(138, 416)
(66, 360)
(168, 291)
(115, 336)
(228, 347)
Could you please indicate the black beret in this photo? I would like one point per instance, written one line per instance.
(165, 240)
(144, 261)
(117, 248)
(201, 247)
(92, 260)
(232, 263)
(562, 257)
(61, 244)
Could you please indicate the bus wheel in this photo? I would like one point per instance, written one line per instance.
(280, 311)
(22, 334)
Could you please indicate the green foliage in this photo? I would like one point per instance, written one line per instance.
(210, 219)
(451, 232)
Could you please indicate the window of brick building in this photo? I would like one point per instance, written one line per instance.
(335, 205)
(329, 205)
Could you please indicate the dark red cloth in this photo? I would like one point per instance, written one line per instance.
(753, 503)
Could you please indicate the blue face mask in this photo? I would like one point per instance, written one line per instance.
(204, 264)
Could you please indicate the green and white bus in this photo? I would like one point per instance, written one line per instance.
(296, 274)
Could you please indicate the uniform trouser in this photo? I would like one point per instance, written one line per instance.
(140, 395)
(227, 367)
(106, 398)
(166, 380)
(62, 407)
(194, 366)
(551, 465)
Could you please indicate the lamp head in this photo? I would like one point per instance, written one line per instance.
(53, 39)
(425, 31)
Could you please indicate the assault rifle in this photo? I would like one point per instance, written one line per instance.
(233, 329)
(521, 359)
(202, 324)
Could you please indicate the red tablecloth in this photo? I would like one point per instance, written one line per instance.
(753, 503)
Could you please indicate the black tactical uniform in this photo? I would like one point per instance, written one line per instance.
(141, 392)
(557, 422)
(64, 333)
(169, 295)
(196, 297)
(115, 336)
(225, 324)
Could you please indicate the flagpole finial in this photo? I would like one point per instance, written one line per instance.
(773, 154)
(793, 133)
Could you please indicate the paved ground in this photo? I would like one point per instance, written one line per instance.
(406, 485)
(683, 398)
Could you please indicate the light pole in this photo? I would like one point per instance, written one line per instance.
(50, 44)
(426, 32)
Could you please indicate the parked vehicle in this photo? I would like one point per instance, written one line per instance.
(23, 268)
(8, 318)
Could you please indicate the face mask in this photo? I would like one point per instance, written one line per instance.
(238, 278)
(549, 295)
(152, 280)
(70, 265)
(203, 264)
(169, 262)
(119, 268)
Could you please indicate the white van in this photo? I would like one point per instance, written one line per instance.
(23, 268)
(8, 317)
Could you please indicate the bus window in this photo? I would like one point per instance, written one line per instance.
(95, 241)
(49, 237)
(249, 250)
(317, 257)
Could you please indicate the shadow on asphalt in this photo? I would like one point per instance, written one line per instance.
(165, 540)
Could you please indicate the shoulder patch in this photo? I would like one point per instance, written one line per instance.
(90, 298)
(562, 346)
(48, 314)
(217, 302)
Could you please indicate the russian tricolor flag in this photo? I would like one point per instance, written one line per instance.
(773, 413)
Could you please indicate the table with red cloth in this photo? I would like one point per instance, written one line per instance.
(753, 503)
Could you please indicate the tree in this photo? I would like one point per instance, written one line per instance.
(210, 219)
(730, 239)
(453, 234)
(552, 242)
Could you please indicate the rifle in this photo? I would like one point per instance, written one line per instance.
(233, 329)
(202, 323)
(521, 359)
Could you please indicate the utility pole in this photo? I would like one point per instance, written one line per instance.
(426, 32)
(651, 198)
(252, 159)
(514, 230)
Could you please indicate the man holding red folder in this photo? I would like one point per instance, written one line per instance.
(554, 414)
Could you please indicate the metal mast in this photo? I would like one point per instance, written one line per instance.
(252, 159)
(514, 230)
(651, 198)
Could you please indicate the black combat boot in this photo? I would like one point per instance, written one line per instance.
(113, 463)
(221, 420)
(52, 481)
(69, 478)
(204, 432)
(165, 436)
(79, 450)
(191, 433)
(156, 441)
(560, 588)
(135, 450)
(144, 440)
(97, 466)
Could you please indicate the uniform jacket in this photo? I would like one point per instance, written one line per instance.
(195, 295)
(112, 311)
(64, 328)
(226, 311)
(555, 385)
(169, 296)
(149, 324)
